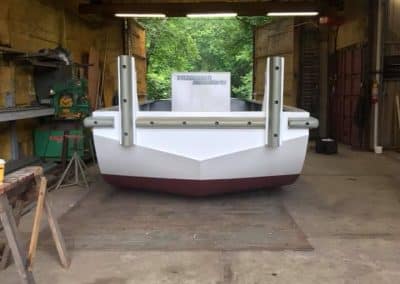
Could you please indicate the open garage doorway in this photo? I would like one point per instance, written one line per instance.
(200, 45)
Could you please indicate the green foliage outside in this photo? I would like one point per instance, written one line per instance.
(185, 45)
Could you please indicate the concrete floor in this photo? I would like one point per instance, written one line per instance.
(347, 205)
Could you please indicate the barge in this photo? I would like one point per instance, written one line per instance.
(154, 147)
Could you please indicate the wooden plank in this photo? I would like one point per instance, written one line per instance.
(141, 76)
(57, 236)
(41, 189)
(4, 22)
(93, 76)
(138, 40)
(14, 241)
(6, 82)
(275, 39)
(19, 177)
(139, 52)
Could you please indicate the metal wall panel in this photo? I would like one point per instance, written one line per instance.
(346, 93)
(309, 72)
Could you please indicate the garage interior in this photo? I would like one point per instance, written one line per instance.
(336, 224)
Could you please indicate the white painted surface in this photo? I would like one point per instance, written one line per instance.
(200, 144)
(201, 91)
(189, 153)
(141, 161)
(200, 153)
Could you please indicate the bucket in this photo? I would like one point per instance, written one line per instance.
(378, 149)
(2, 164)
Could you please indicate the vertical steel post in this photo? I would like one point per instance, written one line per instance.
(273, 100)
(377, 84)
(127, 98)
(323, 82)
(127, 36)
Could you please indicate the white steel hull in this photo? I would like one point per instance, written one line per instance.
(200, 161)
(201, 153)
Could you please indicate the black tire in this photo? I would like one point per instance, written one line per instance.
(326, 146)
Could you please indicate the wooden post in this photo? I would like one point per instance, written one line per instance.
(43, 203)
(57, 236)
(7, 251)
(41, 186)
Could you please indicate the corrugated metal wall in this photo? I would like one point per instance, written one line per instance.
(349, 77)
(308, 97)
(309, 70)
(347, 95)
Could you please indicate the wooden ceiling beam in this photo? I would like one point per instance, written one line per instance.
(255, 8)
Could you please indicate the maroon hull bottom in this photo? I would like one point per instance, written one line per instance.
(199, 187)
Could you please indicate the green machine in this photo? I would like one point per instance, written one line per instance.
(70, 101)
(51, 139)
(59, 138)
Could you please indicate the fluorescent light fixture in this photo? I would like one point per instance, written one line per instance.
(212, 15)
(130, 15)
(292, 14)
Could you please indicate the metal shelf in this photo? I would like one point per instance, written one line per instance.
(36, 59)
(12, 114)
(9, 50)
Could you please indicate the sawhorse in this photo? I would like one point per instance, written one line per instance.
(24, 262)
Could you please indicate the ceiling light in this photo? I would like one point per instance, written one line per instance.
(213, 15)
(292, 14)
(129, 15)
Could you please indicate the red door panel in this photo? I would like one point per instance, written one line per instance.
(347, 91)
